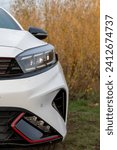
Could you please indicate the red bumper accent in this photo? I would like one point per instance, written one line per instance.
(43, 140)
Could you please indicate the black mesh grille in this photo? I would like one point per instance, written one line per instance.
(7, 135)
(9, 67)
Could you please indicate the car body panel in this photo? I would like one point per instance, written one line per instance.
(11, 52)
(22, 40)
(36, 95)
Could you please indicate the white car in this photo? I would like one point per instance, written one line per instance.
(33, 90)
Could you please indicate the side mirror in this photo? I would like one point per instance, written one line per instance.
(38, 33)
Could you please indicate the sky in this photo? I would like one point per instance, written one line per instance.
(5, 4)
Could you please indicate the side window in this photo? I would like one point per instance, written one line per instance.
(7, 22)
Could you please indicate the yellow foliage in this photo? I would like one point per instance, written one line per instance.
(74, 29)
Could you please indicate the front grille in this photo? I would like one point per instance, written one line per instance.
(7, 135)
(9, 67)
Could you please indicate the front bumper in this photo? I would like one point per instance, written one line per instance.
(36, 94)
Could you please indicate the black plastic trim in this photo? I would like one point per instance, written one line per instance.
(64, 103)
(16, 145)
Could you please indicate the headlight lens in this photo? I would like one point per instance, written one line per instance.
(37, 58)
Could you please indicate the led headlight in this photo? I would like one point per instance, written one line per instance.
(36, 58)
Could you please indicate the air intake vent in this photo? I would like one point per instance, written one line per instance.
(6, 132)
(9, 67)
(59, 103)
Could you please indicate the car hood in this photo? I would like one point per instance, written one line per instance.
(20, 39)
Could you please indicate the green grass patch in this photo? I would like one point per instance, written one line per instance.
(83, 126)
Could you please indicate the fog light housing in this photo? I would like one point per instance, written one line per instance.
(33, 129)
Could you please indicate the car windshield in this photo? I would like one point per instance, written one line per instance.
(7, 22)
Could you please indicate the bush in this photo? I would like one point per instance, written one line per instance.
(73, 28)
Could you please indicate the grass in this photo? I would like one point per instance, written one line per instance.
(83, 126)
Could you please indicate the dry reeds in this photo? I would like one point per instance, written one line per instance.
(73, 28)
